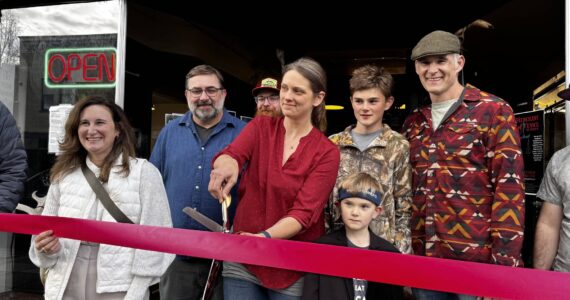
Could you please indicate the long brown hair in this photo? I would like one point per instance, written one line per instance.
(73, 154)
(314, 72)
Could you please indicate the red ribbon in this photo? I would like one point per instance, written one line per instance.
(406, 270)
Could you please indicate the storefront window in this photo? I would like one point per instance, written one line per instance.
(49, 55)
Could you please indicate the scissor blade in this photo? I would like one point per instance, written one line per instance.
(200, 218)
(225, 204)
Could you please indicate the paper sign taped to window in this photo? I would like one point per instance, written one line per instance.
(57, 117)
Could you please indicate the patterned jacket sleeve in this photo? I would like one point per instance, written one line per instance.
(506, 168)
(403, 201)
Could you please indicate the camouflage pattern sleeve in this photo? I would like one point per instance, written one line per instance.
(403, 200)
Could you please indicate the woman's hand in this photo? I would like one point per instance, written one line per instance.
(252, 234)
(224, 176)
(47, 243)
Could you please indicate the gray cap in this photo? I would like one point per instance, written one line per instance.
(436, 43)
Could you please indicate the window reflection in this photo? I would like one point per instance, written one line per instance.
(30, 34)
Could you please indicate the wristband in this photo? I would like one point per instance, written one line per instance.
(266, 234)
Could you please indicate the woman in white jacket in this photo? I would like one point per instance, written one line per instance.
(98, 135)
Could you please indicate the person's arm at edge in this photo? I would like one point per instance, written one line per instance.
(13, 165)
(547, 236)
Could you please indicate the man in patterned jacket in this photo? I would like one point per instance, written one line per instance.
(467, 167)
(372, 147)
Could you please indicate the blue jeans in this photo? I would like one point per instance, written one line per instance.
(237, 289)
(422, 294)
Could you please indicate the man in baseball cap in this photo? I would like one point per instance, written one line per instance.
(467, 142)
(266, 95)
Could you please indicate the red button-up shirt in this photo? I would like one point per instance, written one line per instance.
(467, 181)
(269, 192)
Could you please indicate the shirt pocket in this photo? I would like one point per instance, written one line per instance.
(461, 139)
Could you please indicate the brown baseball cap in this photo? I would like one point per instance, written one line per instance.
(266, 84)
(436, 43)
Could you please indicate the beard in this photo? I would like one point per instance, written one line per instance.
(207, 110)
(267, 112)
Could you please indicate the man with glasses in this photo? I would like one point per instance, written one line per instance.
(183, 154)
(266, 95)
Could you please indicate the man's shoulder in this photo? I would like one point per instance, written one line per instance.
(177, 122)
(336, 137)
(415, 114)
(475, 94)
(414, 119)
(341, 138)
(396, 137)
(236, 123)
(561, 156)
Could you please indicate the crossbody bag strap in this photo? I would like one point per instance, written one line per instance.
(103, 196)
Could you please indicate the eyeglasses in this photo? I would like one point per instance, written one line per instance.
(261, 99)
(210, 91)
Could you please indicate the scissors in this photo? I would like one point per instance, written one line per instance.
(215, 227)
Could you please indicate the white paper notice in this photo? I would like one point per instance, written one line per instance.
(57, 118)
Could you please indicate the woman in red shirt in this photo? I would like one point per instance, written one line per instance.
(290, 170)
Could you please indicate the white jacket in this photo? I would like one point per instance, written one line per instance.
(141, 196)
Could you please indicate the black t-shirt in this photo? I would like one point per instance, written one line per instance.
(360, 285)
(204, 133)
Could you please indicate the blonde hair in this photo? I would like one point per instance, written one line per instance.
(359, 182)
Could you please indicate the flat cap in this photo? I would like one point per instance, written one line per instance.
(436, 43)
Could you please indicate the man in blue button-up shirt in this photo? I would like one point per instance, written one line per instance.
(183, 154)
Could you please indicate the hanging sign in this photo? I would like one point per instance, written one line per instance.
(531, 130)
(80, 68)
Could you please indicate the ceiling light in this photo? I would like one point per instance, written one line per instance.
(334, 107)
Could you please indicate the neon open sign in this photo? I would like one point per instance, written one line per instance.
(80, 68)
